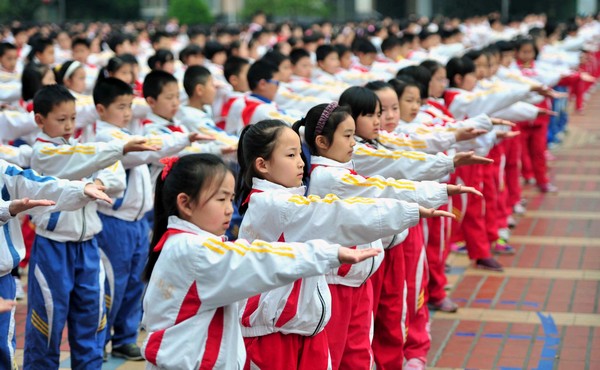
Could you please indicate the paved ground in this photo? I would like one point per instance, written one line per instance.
(543, 312)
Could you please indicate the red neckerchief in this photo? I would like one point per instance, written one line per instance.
(170, 232)
(247, 200)
(313, 166)
(439, 106)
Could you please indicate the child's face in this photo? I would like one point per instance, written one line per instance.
(194, 60)
(213, 214)
(118, 112)
(343, 142)
(410, 103)
(482, 67)
(77, 81)
(285, 71)
(125, 73)
(468, 81)
(167, 103)
(506, 58)
(60, 122)
(219, 58)
(367, 125)
(240, 81)
(346, 60)
(169, 67)
(9, 60)
(438, 83)
(331, 63)
(390, 111)
(209, 91)
(47, 56)
(526, 53)
(81, 53)
(285, 167)
(367, 59)
(303, 67)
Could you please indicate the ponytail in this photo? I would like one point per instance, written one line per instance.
(190, 175)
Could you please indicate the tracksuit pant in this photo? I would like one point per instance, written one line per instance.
(278, 351)
(124, 249)
(66, 283)
(8, 340)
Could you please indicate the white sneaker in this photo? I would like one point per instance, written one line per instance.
(519, 209)
(414, 364)
(504, 234)
(20, 293)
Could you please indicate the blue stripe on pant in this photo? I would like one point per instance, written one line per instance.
(64, 287)
(8, 340)
(125, 245)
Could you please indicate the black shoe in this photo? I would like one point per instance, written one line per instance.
(129, 352)
(489, 264)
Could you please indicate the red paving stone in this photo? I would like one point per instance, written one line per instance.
(462, 343)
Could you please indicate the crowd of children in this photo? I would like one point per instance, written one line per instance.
(269, 196)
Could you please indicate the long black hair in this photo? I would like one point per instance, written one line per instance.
(190, 175)
(339, 114)
(256, 141)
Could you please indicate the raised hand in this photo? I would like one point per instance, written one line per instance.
(352, 256)
(507, 134)
(228, 149)
(21, 205)
(502, 122)
(138, 145)
(469, 158)
(96, 191)
(468, 133)
(199, 137)
(461, 189)
(430, 212)
(547, 112)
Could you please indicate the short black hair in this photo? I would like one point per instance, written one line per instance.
(419, 74)
(155, 82)
(260, 70)
(323, 51)
(213, 47)
(49, 97)
(109, 89)
(297, 54)
(363, 45)
(80, 41)
(233, 66)
(389, 43)
(6, 46)
(159, 58)
(115, 40)
(194, 76)
(275, 58)
(156, 36)
(188, 51)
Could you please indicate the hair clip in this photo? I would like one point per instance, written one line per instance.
(324, 117)
(168, 162)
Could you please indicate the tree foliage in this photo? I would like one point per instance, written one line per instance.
(22, 9)
(190, 11)
(287, 8)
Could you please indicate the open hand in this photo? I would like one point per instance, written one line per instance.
(468, 133)
(199, 137)
(502, 122)
(228, 149)
(138, 145)
(21, 205)
(430, 212)
(469, 158)
(96, 191)
(461, 189)
(352, 256)
(507, 134)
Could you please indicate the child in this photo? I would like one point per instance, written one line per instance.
(263, 80)
(197, 114)
(20, 183)
(65, 272)
(42, 51)
(10, 86)
(329, 132)
(117, 67)
(71, 74)
(81, 53)
(124, 236)
(162, 60)
(193, 207)
(285, 325)
(235, 71)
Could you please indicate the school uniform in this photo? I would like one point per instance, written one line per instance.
(250, 109)
(66, 279)
(17, 184)
(301, 310)
(350, 325)
(192, 318)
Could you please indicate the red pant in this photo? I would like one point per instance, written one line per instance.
(349, 329)
(287, 352)
(438, 233)
(418, 340)
(534, 142)
(389, 296)
(469, 225)
(490, 193)
(512, 171)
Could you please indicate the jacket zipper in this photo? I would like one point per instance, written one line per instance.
(83, 226)
(370, 271)
(322, 312)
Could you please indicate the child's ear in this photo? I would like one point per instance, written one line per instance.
(151, 101)
(322, 142)
(261, 165)
(458, 80)
(234, 80)
(183, 205)
(199, 90)
(100, 109)
(39, 119)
